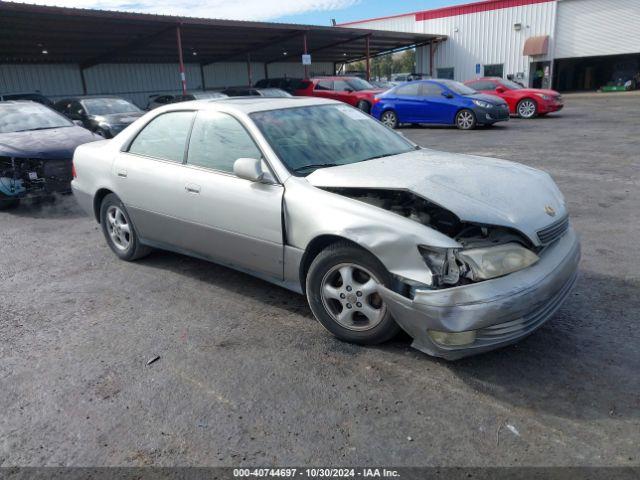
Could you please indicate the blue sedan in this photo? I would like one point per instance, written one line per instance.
(443, 102)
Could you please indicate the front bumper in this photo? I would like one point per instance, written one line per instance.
(551, 107)
(501, 311)
(486, 116)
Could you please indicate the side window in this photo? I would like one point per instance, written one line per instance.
(495, 70)
(164, 137)
(218, 140)
(75, 108)
(341, 86)
(483, 86)
(409, 90)
(431, 90)
(324, 85)
(446, 73)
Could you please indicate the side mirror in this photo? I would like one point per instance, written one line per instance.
(348, 90)
(250, 169)
(78, 123)
(500, 90)
(447, 95)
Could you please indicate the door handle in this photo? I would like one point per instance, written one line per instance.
(192, 188)
(122, 173)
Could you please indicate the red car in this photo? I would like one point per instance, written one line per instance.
(524, 102)
(352, 90)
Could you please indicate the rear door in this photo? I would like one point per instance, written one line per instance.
(344, 92)
(231, 220)
(324, 89)
(410, 105)
(150, 179)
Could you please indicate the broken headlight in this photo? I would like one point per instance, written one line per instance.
(498, 260)
(444, 266)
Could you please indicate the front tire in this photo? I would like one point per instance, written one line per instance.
(466, 120)
(364, 106)
(341, 289)
(527, 108)
(119, 231)
(390, 119)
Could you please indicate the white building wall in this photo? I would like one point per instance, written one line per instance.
(588, 28)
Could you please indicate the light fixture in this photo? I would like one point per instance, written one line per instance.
(344, 54)
(45, 52)
(195, 54)
(517, 27)
(285, 53)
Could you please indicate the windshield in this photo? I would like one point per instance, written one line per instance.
(511, 85)
(457, 87)
(307, 138)
(359, 84)
(205, 95)
(108, 106)
(25, 116)
(274, 93)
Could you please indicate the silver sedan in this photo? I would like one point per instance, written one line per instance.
(464, 253)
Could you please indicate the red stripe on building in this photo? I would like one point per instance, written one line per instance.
(476, 7)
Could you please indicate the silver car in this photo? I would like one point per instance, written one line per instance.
(466, 254)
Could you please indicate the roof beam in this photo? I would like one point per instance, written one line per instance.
(251, 49)
(127, 48)
(324, 47)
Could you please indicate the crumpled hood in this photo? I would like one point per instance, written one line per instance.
(55, 143)
(476, 189)
(118, 118)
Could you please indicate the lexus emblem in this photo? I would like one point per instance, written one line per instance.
(550, 210)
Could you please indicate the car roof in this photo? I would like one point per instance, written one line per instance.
(252, 104)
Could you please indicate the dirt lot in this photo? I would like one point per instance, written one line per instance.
(246, 376)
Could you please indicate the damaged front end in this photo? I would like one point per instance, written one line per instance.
(22, 177)
(492, 289)
(485, 251)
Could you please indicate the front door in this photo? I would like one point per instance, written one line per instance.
(231, 220)
(442, 107)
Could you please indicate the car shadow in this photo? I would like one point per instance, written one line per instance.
(575, 366)
(53, 206)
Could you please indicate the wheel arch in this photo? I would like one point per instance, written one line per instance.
(97, 201)
(317, 245)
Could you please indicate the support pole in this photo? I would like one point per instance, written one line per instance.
(266, 70)
(249, 73)
(368, 53)
(431, 59)
(84, 81)
(306, 67)
(183, 78)
(202, 77)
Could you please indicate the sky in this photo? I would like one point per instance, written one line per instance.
(319, 12)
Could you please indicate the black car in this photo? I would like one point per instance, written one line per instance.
(36, 150)
(289, 85)
(33, 96)
(106, 116)
(255, 92)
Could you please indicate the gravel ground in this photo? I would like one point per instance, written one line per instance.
(246, 376)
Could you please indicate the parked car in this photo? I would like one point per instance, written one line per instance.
(33, 96)
(464, 253)
(255, 92)
(524, 102)
(443, 102)
(160, 99)
(106, 116)
(351, 90)
(289, 85)
(36, 147)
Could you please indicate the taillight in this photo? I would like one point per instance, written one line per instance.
(375, 100)
(73, 171)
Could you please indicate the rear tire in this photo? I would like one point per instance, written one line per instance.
(527, 108)
(466, 119)
(341, 290)
(119, 231)
(364, 106)
(390, 119)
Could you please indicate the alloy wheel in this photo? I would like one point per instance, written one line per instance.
(389, 119)
(118, 228)
(465, 120)
(349, 294)
(527, 109)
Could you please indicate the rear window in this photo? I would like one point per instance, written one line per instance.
(26, 116)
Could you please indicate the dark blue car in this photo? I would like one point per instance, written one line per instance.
(443, 102)
(36, 150)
